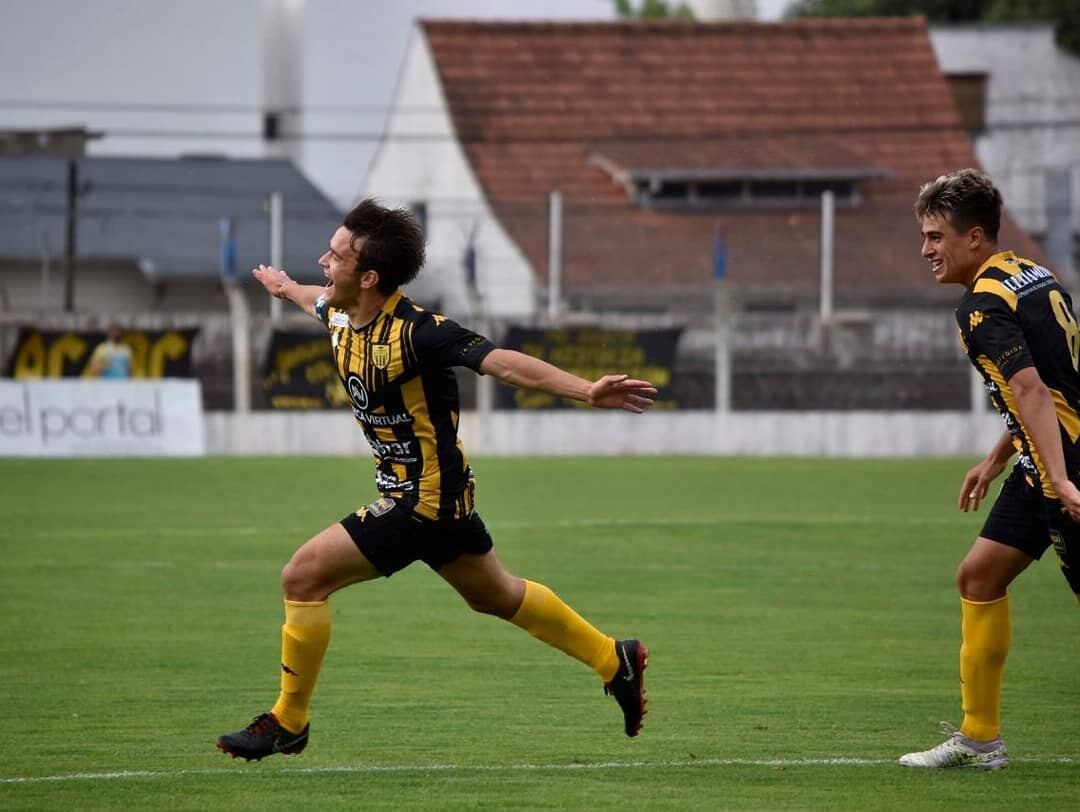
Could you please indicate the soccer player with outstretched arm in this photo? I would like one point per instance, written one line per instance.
(395, 360)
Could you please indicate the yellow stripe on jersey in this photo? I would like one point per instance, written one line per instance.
(431, 476)
(1066, 415)
(1004, 261)
(396, 364)
(1010, 404)
(998, 289)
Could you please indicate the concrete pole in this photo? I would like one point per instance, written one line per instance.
(723, 346)
(555, 251)
(277, 246)
(240, 317)
(828, 234)
(71, 216)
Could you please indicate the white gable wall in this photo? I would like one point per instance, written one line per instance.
(1032, 109)
(420, 159)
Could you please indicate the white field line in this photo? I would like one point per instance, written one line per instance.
(496, 768)
(651, 521)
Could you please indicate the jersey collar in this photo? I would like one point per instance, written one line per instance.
(996, 259)
(391, 303)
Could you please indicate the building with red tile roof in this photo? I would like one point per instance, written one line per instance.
(663, 137)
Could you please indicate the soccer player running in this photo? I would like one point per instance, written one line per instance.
(394, 359)
(1018, 329)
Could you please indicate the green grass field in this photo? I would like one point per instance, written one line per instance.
(798, 613)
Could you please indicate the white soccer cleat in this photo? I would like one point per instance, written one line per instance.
(959, 751)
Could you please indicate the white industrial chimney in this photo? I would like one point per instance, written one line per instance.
(715, 10)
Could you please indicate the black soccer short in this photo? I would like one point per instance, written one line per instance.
(1025, 519)
(392, 537)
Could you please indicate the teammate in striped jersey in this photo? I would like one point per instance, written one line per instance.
(395, 360)
(1017, 327)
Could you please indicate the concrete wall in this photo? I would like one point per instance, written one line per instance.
(800, 434)
(434, 170)
(1032, 108)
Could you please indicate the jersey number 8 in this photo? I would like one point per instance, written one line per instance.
(1067, 321)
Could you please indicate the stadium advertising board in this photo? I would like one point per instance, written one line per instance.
(299, 373)
(592, 352)
(66, 353)
(98, 418)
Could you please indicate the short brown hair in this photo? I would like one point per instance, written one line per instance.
(965, 198)
(393, 243)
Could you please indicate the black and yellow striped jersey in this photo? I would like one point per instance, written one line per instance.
(397, 371)
(1015, 316)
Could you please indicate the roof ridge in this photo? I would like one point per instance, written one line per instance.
(651, 26)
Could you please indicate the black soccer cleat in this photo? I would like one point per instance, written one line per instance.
(263, 737)
(628, 684)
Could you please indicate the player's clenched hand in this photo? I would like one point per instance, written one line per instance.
(977, 483)
(622, 392)
(272, 279)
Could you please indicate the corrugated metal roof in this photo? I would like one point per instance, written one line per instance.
(163, 214)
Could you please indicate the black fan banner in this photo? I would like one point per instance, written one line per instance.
(66, 353)
(591, 352)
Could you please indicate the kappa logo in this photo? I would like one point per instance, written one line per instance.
(975, 319)
(357, 393)
(380, 355)
(1058, 541)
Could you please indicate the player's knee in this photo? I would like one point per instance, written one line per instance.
(490, 602)
(296, 581)
(979, 583)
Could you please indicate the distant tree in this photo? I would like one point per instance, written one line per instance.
(653, 10)
(1065, 14)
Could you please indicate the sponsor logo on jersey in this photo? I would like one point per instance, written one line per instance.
(975, 319)
(357, 394)
(385, 419)
(339, 319)
(1028, 276)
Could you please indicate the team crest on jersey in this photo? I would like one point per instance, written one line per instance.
(975, 319)
(380, 355)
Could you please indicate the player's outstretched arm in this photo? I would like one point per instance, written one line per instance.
(608, 392)
(280, 285)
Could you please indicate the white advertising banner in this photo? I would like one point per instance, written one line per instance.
(98, 418)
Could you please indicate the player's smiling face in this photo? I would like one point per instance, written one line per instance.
(339, 267)
(951, 253)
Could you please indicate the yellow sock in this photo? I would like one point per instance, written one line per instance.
(987, 631)
(547, 618)
(304, 639)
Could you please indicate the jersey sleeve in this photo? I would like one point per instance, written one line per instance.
(991, 328)
(439, 341)
(322, 311)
